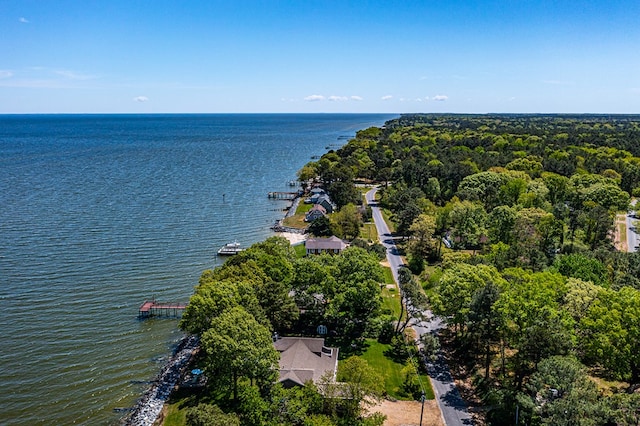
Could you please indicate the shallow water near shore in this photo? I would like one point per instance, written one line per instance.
(99, 213)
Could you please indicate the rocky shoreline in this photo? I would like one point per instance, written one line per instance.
(148, 408)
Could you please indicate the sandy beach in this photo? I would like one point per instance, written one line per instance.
(292, 237)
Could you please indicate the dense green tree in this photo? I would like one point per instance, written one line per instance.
(210, 415)
(423, 243)
(563, 394)
(346, 222)
(611, 330)
(211, 299)
(502, 220)
(320, 227)
(583, 267)
(484, 187)
(468, 223)
(362, 385)
(236, 345)
(456, 288)
(484, 320)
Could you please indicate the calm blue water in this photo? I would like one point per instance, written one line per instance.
(98, 213)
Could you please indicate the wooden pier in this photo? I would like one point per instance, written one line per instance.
(152, 308)
(283, 195)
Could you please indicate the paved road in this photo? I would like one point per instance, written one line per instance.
(454, 409)
(632, 236)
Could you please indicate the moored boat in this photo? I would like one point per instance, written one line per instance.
(230, 249)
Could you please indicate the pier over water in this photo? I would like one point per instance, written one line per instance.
(152, 308)
(283, 195)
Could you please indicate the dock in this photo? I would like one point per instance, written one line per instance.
(283, 195)
(152, 308)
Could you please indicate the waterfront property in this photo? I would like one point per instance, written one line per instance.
(304, 359)
(314, 213)
(332, 245)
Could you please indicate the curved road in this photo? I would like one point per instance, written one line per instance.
(454, 409)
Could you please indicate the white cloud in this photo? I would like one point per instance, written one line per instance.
(334, 98)
(314, 98)
(440, 98)
(6, 74)
(356, 98)
(386, 97)
(23, 20)
(140, 99)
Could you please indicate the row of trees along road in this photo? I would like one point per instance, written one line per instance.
(509, 223)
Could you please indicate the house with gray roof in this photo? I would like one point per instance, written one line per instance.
(304, 359)
(314, 213)
(332, 245)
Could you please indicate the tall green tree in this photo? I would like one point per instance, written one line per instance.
(563, 394)
(611, 330)
(362, 384)
(236, 345)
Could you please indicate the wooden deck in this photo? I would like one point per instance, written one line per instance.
(152, 308)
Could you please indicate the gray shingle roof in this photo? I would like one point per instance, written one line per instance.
(305, 358)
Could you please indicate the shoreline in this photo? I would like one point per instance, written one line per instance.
(148, 408)
(293, 237)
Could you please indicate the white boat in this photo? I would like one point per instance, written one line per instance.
(230, 249)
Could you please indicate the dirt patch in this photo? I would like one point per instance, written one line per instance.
(407, 413)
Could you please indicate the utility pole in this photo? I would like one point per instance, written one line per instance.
(422, 398)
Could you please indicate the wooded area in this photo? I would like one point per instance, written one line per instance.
(509, 223)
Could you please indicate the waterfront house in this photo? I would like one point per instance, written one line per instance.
(333, 245)
(316, 212)
(325, 202)
(304, 359)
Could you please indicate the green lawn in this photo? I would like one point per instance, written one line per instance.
(388, 276)
(369, 232)
(391, 301)
(386, 214)
(300, 249)
(390, 370)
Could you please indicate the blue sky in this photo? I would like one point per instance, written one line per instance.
(319, 56)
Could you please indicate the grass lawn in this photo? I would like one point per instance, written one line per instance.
(386, 214)
(300, 249)
(388, 276)
(391, 301)
(369, 232)
(295, 221)
(175, 416)
(390, 370)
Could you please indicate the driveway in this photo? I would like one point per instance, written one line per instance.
(454, 410)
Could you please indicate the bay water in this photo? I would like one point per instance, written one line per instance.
(99, 213)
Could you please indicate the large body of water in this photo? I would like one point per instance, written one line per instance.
(98, 213)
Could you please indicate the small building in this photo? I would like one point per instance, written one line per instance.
(304, 359)
(316, 212)
(333, 245)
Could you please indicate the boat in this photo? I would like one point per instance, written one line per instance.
(230, 249)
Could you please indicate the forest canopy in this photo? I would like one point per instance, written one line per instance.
(510, 222)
